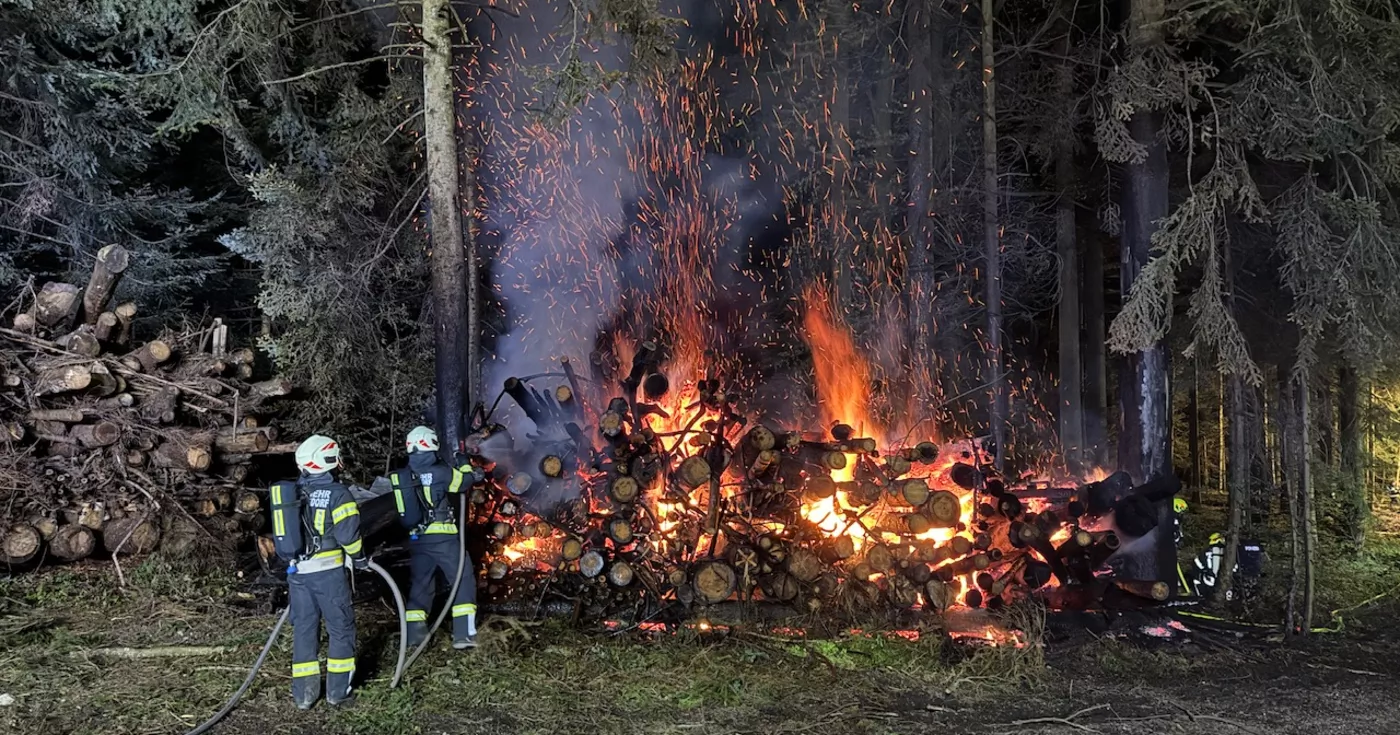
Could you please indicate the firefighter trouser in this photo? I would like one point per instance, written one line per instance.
(315, 597)
(428, 556)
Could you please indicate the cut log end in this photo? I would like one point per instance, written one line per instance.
(131, 536)
(73, 542)
(20, 544)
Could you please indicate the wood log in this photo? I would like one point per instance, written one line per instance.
(92, 516)
(713, 582)
(135, 458)
(20, 544)
(269, 389)
(126, 314)
(61, 415)
(779, 586)
(112, 261)
(202, 507)
(102, 382)
(241, 441)
(132, 535)
(241, 356)
(116, 402)
(159, 407)
(693, 472)
(82, 342)
(624, 489)
(181, 537)
(804, 565)
(620, 531)
(235, 473)
(56, 304)
(72, 542)
(944, 508)
(591, 564)
(620, 574)
(572, 549)
(183, 453)
(47, 526)
(100, 434)
(12, 430)
(200, 364)
(63, 379)
(24, 322)
(149, 356)
(914, 491)
(106, 328)
(879, 558)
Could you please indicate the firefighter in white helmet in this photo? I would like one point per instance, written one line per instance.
(425, 493)
(316, 528)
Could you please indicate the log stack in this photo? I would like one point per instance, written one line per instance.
(653, 505)
(115, 445)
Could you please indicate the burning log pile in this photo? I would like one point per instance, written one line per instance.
(109, 443)
(665, 500)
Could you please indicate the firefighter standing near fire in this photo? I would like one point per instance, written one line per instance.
(425, 493)
(316, 529)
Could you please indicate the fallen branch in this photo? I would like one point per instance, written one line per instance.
(158, 652)
(1066, 721)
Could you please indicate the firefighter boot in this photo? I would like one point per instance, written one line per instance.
(417, 632)
(464, 626)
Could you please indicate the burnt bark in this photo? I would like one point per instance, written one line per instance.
(1146, 439)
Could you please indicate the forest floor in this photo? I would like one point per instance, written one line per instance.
(59, 672)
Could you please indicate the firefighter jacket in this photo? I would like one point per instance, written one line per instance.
(424, 494)
(315, 523)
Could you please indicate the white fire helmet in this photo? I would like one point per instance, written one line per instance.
(318, 454)
(422, 439)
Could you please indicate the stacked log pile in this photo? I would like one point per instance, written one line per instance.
(110, 444)
(647, 505)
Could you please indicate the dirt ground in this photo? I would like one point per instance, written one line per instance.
(60, 674)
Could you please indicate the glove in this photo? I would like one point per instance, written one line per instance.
(361, 564)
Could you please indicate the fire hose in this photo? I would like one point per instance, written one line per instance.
(277, 629)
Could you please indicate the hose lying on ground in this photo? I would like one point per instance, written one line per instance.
(452, 594)
(247, 682)
(277, 629)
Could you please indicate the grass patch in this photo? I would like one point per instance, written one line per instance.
(542, 678)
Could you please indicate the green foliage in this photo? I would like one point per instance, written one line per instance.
(79, 165)
(1302, 98)
(310, 116)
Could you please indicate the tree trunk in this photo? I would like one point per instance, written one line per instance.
(1095, 354)
(450, 258)
(1308, 533)
(1349, 424)
(1237, 483)
(106, 274)
(927, 160)
(1147, 418)
(1071, 396)
(841, 243)
(991, 235)
(1193, 431)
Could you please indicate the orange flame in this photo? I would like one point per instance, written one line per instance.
(843, 376)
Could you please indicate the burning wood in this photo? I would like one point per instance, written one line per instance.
(673, 500)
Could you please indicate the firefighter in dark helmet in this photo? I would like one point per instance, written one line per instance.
(425, 492)
(316, 527)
